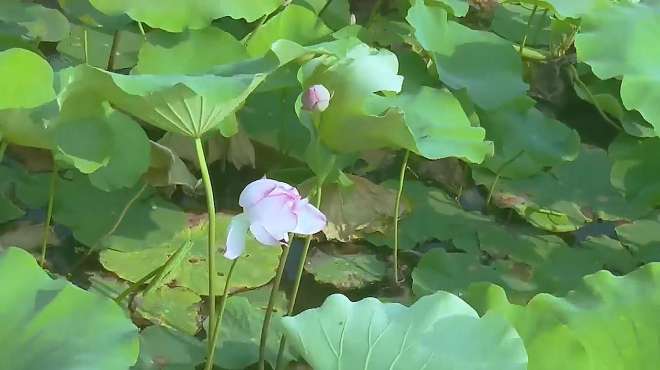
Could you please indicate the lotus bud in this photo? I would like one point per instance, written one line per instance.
(351, 19)
(316, 98)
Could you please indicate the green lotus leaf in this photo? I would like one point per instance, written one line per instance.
(427, 121)
(35, 22)
(589, 328)
(459, 8)
(27, 79)
(177, 16)
(132, 263)
(92, 213)
(526, 141)
(439, 331)
(345, 270)
(38, 310)
(510, 22)
(195, 52)
(164, 349)
(635, 168)
(99, 47)
(30, 127)
(188, 105)
(433, 215)
(459, 54)
(605, 93)
(296, 23)
(452, 272)
(175, 308)
(9, 210)
(567, 196)
(88, 15)
(334, 13)
(642, 237)
(166, 168)
(241, 330)
(633, 26)
(570, 8)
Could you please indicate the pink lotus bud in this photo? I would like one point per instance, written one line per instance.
(316, 98)
(271, 210)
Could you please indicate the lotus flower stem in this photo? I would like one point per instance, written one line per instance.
(221, 311)
(271, 304)
(296, 284)
(49, 213)
(397, 208)
(210, 206)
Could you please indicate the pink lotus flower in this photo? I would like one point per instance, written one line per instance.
(271, 210)
(316, 98)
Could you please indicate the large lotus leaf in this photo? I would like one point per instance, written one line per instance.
(437, 123)
(35, 22)
(460, 53)
(164, 349)
(27, 79)
(526, 141)
(427, 121)
(167, 168)
(452, 272)
(37, 311)
(335, 13)
(439, 332)
(88, 15)
(345, 270)
(571, 8)
(607, 322)
(605, 94)
(188, 105)
(29, 127)
(567, 196)
(99, 47)
(633, 27)
(642, 238)
(510, 22)
(241, 330)
(635, 169)
(255, 268)
(177, 16)
(195, 51)
(362, 207)
(176, 308)
(296, 23)
(92, 213)
(433, 215)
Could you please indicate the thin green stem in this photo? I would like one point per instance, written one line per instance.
(49, 213)
(85, 46)
(221, 312)
(499, 174)
(527, 28)
(296, 284)
(271, 303)
(210, 205)
(397, 208)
